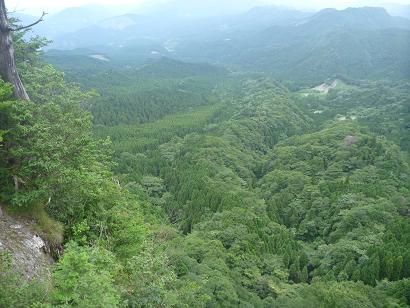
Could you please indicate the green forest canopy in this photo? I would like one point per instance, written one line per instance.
(214, 189)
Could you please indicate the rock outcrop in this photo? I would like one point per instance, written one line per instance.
(27, 249)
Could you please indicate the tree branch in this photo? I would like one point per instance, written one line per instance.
(30, 25)
(17, 182)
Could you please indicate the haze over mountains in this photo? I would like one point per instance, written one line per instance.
(358, 42)
(163, 14)
(365, 42)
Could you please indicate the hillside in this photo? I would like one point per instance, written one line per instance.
(260, 159)
(129, 29)
(358, 43)
(361, 43)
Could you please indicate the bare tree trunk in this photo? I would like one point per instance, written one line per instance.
(8, 70)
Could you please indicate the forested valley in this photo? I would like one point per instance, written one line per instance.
(197, 181)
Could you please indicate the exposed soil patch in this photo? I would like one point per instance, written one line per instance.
(326, 87)
(100, 57)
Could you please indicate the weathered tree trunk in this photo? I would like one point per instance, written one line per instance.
(8, 70)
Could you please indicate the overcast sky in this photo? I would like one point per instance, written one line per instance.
(36, 6)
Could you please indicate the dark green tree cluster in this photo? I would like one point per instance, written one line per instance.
(144, 94)
(269, 207)
(342, 190)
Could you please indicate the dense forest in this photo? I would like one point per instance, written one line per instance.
(179, 184)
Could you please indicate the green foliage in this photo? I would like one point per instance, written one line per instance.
(54, 172)
(339, 197)
(61, 168)
(399, 289)
(333, 294)
(150, 278)
(139, 95)
(149, 136)
(51, 142)
(6, 92)
(383, 107)
(15, 291)
(261, 203)
(84, 278)
(227, 191)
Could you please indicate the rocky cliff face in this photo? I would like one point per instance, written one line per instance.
(27, 248)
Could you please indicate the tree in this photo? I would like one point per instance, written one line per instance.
(84, 278)
(8, 69)
(150, 278)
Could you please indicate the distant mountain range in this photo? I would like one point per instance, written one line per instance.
(68, 20)
(84, 27)
(360, 43)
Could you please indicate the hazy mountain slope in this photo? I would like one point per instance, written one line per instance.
(70, 20)
(358, 43)
(106, 56)
(365, 18)
(362, 54)
(125, 29)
